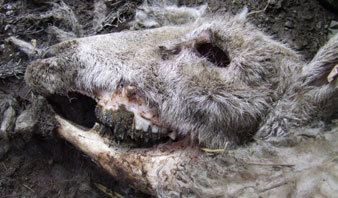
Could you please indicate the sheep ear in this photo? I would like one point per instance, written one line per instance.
(323, 69)
(243, 14)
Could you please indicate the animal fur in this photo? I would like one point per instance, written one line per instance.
(266, 87)
(267, 90)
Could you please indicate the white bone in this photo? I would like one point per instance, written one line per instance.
(144, 169)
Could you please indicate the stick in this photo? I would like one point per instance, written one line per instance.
(269, 164)
(29, 188)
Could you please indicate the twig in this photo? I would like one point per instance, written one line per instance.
(215, 150)
(259, 11)
(107, 191)
(275, 185)
(28, 92)
(3, 164)
(330, 160)
(29, 188)
(269, 164)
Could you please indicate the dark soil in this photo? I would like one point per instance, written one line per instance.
(38, 167)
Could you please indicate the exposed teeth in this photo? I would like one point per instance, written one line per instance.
(127, 113)
(173, 135)
(141, 123)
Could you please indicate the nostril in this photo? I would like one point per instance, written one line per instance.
(213, 54)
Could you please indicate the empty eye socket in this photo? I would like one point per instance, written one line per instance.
(213, 54)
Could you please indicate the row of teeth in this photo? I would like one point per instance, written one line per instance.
(128, 115)
(122, 125)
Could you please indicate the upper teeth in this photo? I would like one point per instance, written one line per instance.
(128, 99)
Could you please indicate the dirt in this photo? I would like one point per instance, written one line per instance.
(35, 166)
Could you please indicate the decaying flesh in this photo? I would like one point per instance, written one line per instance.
(216, 80)
(146, 169)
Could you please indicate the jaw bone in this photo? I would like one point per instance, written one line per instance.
(143, 169)
(263, 173)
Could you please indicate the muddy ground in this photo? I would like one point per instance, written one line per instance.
(36, 166)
